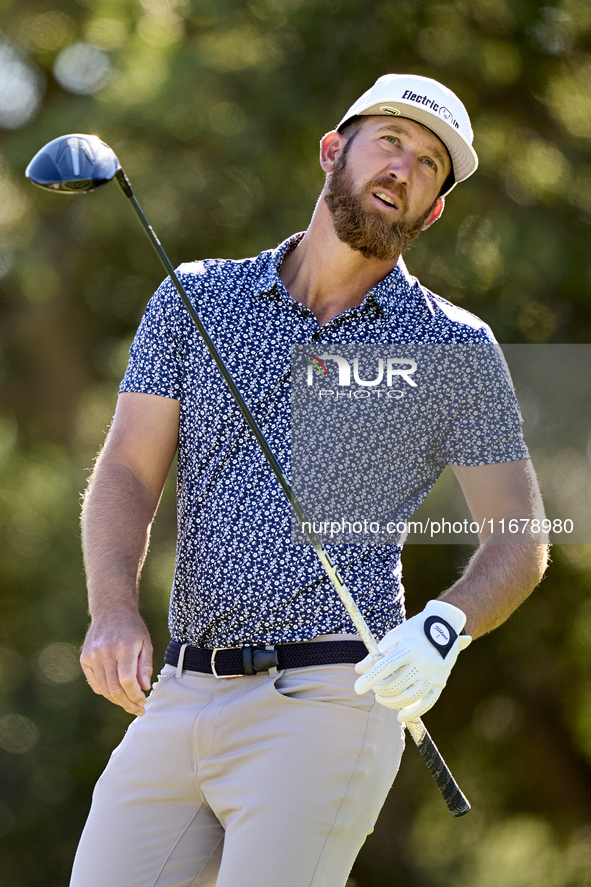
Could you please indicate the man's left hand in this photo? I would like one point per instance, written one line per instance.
(418, 657)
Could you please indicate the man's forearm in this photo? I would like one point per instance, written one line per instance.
(119, 507)
(116, 519)
(497, 579)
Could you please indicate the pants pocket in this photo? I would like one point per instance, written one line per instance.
(324, 685)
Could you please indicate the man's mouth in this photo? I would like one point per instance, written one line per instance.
(385, 198)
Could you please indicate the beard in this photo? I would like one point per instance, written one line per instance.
(373, 234)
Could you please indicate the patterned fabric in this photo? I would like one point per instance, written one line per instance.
(238, 577)
(373, 427)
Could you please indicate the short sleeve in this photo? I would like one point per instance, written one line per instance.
(155, 361)
(484, 423)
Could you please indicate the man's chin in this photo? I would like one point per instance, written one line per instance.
(376, 242)
(379, 253)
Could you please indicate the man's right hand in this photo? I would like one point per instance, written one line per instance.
(117, 658)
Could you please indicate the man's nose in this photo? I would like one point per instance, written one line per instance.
(402, 167)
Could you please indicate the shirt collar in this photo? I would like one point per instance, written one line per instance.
(395, 286)
(384, 294)
(269, 281)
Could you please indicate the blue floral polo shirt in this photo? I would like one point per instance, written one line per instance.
(239, 578)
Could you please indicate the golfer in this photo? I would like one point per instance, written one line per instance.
(267, 747)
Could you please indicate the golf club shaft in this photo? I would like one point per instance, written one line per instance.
(456, 801)
(332, 572)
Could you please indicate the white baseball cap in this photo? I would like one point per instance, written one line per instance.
(430, 103)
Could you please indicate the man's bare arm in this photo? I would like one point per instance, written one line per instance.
(503, 571)
(119, 506)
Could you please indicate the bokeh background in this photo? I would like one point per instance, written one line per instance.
(215, 108)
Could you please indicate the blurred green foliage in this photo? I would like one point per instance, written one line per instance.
(215, 109)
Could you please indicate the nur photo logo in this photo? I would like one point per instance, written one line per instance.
(348, 373)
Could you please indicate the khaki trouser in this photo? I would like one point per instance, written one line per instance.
(262, 781)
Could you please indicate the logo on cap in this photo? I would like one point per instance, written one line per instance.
(386, 110)
(432, 105)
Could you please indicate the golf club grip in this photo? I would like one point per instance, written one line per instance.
(457, 802)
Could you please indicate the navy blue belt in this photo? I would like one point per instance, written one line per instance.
(231, 662)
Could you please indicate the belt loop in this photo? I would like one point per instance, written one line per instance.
(179, 665)
(273, 669)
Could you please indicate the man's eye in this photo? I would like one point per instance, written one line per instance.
(392, 139)
(430, 163)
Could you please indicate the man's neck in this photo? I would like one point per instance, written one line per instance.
(326, 275)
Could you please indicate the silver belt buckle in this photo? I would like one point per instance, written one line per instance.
(221, 677)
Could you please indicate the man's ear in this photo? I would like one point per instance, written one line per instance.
(435, 213)
(331, 148)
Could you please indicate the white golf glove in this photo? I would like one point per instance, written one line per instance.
(417, 659)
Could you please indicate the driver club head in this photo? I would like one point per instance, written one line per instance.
(73, 164)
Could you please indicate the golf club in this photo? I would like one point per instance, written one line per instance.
(77, 163)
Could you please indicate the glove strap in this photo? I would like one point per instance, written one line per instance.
(440, 634)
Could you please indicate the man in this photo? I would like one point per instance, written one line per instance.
(277, 775)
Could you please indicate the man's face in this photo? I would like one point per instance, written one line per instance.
(385, 184)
